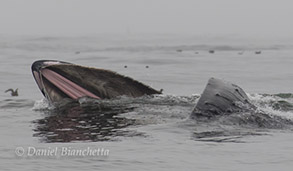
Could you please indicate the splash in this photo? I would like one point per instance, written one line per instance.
(42, 104)
(275, 105)
(88, 119)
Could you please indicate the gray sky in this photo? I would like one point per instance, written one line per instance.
(197, 17)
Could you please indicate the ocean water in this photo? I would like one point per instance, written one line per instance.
(151, 132)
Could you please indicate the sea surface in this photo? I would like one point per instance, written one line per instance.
(150, 132)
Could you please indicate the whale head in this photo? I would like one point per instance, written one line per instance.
(221, 97)
(58, 80)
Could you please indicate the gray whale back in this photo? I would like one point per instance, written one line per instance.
(221, 97)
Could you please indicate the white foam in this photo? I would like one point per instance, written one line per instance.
(264, 104)
(283, 114)
(42, 104)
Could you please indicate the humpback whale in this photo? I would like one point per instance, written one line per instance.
(58, 80)
(220, 97)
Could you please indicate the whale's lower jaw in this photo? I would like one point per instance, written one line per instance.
(221, 97)
(58, 80)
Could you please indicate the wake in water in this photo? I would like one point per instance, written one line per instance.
(12, 103)
(88, 119)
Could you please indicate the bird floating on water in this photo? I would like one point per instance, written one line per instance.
(13, 92)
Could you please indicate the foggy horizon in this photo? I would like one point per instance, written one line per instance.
(249, 18)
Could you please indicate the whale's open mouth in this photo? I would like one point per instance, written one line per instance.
(58, 80)
(56, 86)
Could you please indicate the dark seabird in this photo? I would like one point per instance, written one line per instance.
(257, 52)
(13, 93)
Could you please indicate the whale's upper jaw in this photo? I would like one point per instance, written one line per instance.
(38, 65)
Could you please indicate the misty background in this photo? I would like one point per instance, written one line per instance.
(246, 18)
(167, 45)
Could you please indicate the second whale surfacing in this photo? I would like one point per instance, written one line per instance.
(58, 80)
(220, 98)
